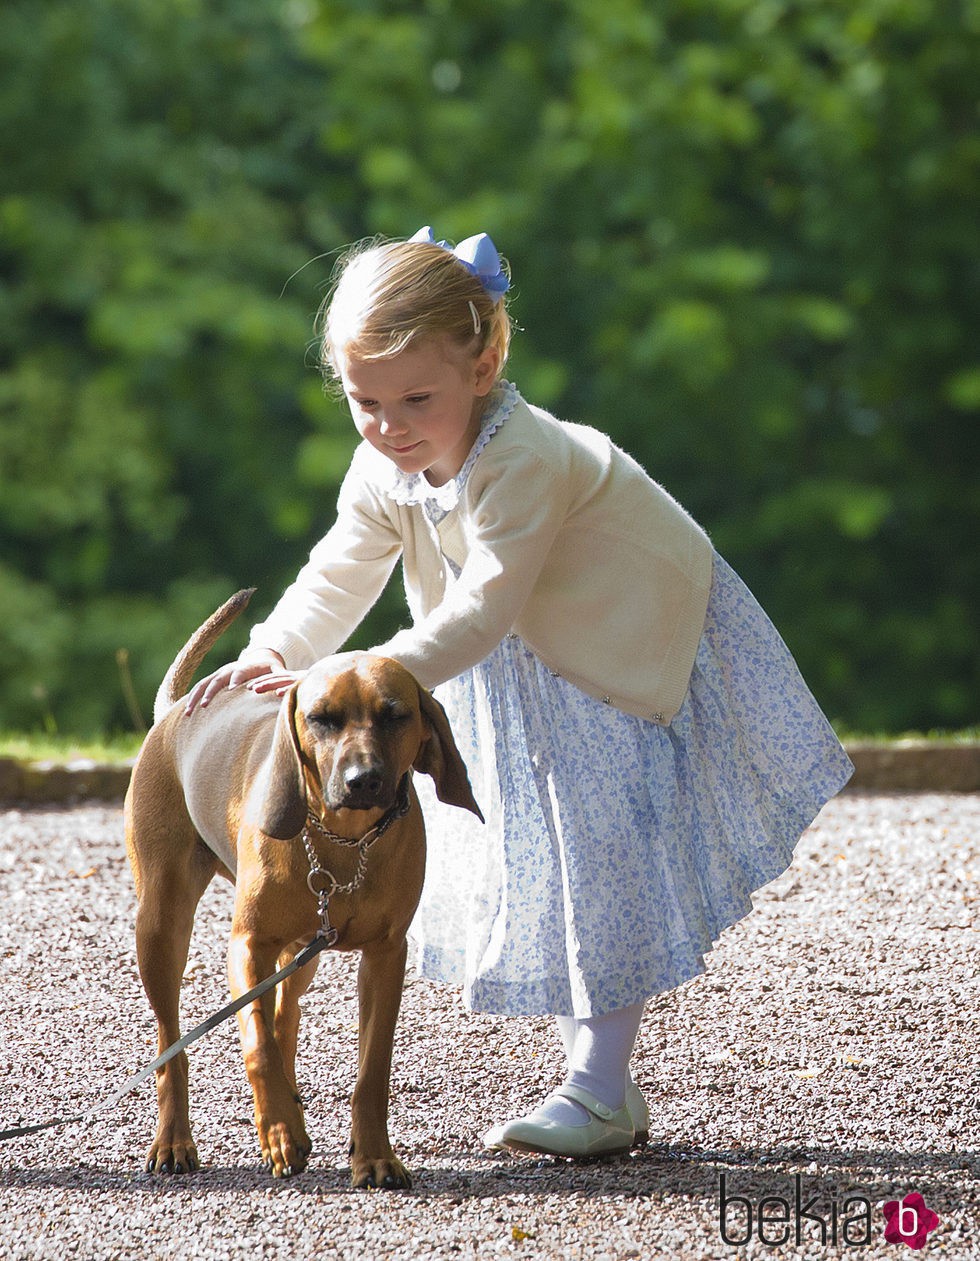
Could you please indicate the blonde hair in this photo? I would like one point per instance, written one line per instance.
(392, 295)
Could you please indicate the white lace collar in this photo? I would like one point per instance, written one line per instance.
(412, 488)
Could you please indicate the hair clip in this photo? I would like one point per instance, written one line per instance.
(479, 256)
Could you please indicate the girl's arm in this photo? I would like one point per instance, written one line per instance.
(512, 518)
(344, 576)
(346, 572)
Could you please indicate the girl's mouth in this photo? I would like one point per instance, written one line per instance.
(405, 450)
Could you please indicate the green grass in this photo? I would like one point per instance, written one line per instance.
(965, 735)
(115, 749)
(45, 748)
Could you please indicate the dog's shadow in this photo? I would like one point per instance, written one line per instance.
(657, 1172)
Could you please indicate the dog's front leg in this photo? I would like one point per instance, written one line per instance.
(278, 1115)
(380, 978)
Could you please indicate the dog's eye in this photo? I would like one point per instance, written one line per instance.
(394, 713)
(325, 721)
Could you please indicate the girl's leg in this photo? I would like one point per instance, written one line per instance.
(598, 1050)
(568, 1028)
(596, 1118)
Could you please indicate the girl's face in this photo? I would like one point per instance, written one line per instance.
(422, 407)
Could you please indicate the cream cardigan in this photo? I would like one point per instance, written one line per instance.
(559, 538)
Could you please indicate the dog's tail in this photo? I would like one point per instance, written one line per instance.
(178, 678)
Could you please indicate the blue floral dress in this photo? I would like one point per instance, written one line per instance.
(615, 850)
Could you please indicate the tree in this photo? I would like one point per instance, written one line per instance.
(743, 239)
(154, 388)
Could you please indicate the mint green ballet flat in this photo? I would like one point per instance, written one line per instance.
(639, 1114)
(607, 1132)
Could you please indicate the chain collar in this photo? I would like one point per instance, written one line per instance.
(321, 882)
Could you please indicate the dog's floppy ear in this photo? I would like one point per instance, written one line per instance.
(282, 803)
(440, 758)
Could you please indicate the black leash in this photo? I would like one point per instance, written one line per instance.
(319, 942)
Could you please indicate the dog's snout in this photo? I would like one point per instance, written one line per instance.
(358, 781)
(365, 781)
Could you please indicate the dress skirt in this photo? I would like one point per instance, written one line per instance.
(617, 850)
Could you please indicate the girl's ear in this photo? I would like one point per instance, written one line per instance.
(485, 369)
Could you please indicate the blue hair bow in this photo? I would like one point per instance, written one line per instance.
(479, 256)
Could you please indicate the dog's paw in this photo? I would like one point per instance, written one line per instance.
(284, 1155)
(388, 1174)
(172, 1157)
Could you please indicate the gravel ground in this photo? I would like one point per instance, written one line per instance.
(832, 1038)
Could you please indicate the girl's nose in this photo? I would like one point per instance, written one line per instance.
(389, 426)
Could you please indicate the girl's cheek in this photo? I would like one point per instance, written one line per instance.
(364, 425)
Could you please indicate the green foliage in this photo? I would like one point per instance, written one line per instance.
(743, 235)
(62, 749)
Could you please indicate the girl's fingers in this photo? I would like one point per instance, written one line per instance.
(194, 696)
(208, 688)
(235, 674)
(279, 682)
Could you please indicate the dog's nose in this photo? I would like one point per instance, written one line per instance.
(363, 781)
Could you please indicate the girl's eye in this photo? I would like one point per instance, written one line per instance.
(419, 398)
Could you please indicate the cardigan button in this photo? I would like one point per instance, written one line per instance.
(657, 717)
(607, 700)
(512, 634)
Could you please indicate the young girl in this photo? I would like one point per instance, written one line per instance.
(637, 734)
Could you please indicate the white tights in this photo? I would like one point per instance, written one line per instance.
(598, 1052)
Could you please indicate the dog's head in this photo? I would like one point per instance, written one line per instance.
(346, 733)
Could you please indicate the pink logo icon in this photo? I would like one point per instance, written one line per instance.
(908, 1221)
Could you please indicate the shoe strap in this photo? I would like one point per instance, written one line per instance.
(588, 1101)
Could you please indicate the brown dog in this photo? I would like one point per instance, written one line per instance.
(229, 790)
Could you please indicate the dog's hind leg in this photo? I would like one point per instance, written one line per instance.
(172, 869)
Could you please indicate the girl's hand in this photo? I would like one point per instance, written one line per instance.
(234, 674)
(279, 681)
